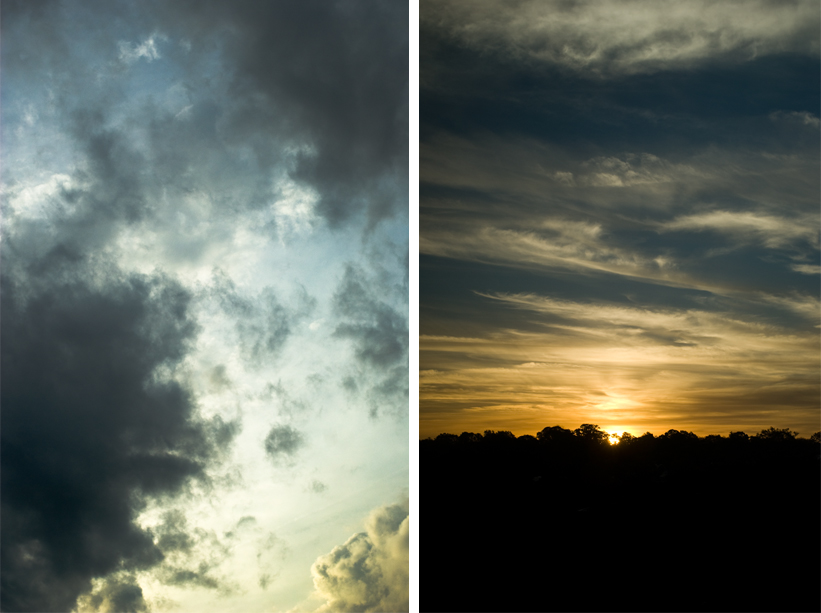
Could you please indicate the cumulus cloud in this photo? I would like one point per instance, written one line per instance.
(370, 571)
(627, 37)
(88, 419)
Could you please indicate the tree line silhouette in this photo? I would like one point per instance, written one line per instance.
(565, 521)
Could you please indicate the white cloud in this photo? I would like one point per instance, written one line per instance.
(370, 571)
(40, 200)
(130, 53)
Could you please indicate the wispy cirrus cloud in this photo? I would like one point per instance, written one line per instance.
(613, 38)
(742, 226)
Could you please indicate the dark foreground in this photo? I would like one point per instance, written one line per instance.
(567, 522)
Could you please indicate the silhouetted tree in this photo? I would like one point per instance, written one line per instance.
(626, 438)
(545, 494)
(679, 435)
(469, 437)
(777, 434)
(592, 433)
(447, 438)
(553, 434)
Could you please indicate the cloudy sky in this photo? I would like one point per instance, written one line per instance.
(619, 215)
(205, 306)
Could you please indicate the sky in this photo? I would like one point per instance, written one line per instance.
(205, 312)
(619, 216)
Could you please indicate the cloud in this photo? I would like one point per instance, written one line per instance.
(622, 364)
(311, 88)
(283, 442)
(370, 571)
(637, 36)
(149, 143)
(807, 269)
(131, 53)
(263, 323)
(801, 117)
(773, 232)
(89, 418)
(118, 594)
(379, 334)
(317, 487)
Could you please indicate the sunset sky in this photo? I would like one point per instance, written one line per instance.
(205, 306)
(619, 216)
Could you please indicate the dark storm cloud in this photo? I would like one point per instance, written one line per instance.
(90, 429)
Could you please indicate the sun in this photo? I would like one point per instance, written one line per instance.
(613, 438)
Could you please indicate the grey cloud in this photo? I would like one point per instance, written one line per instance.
(192, 555)
(172, 533)
(288, 405)
(283, 442)
(380, 339)
(380, 334)
(338, 74)
(370, 571)
(218, 378)
(271, 550)
(317, 487)
(117, 594)
(263, 323)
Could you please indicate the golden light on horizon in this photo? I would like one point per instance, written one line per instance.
(719, 374)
